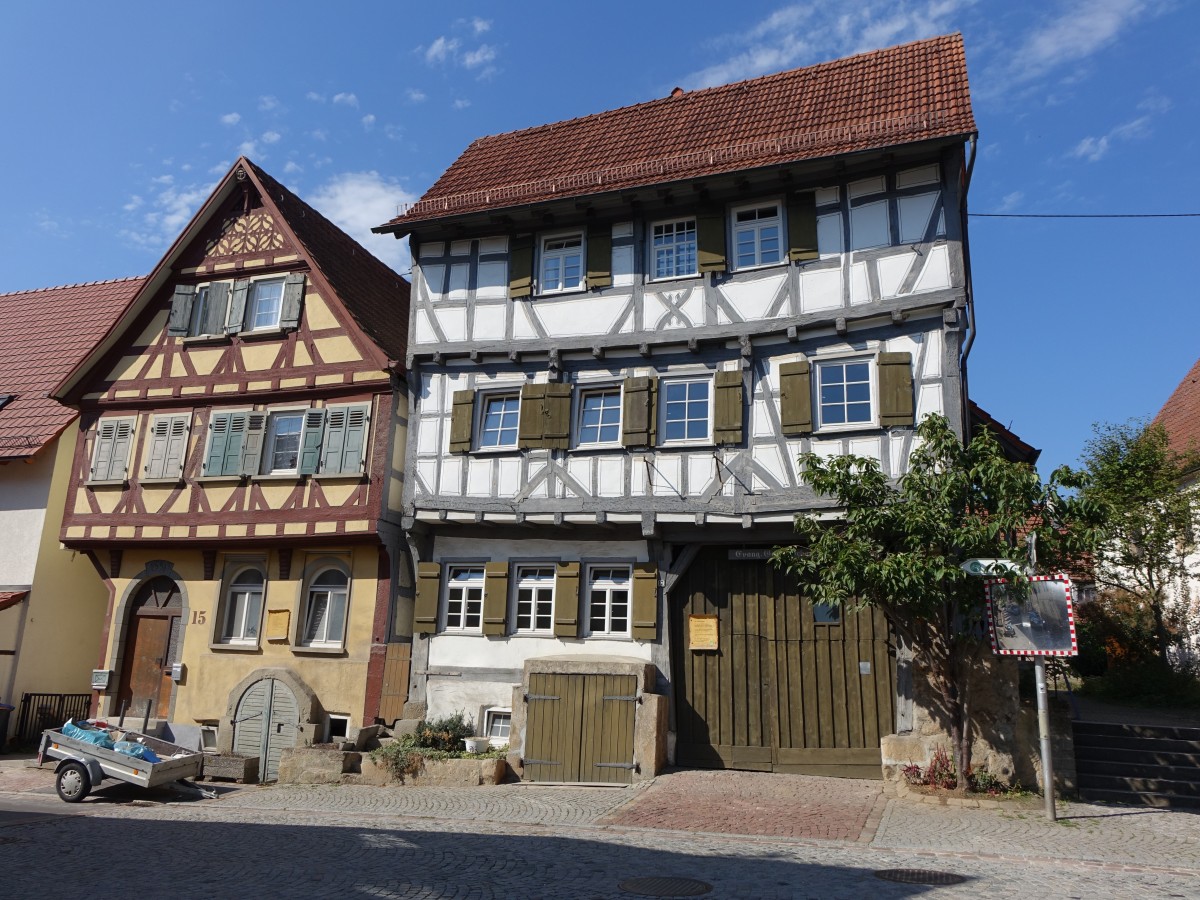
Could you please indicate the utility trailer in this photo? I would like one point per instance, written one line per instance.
(83, 765)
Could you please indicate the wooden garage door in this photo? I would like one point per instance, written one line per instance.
(580, 728)
(783, 691)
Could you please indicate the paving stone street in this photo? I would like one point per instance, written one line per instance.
(745, 834)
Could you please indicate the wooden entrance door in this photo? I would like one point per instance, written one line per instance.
(580, 728)
(265, 724)
(151, 648)
(784, 691)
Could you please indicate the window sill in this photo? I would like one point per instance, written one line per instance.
(216, 478)
(159, 482)
(565, 292)
(673, 279)
(706, 444)
(235, 647)
(848, 429)
(625, 638)
(488, 451)
(783, 263)
(263, 333)
(340, 476)
(320, 651)
(587, 448)
(112, 482)
(205, 339)
(279, 476)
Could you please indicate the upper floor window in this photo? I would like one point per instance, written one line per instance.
(673, 248)
(757, 235)
(844, 392)
(243, 608)
(110, 456)
(535, 599)
(464, 598)
(599, 416)
(325, 610)
(328, 441)
(686, 409)
(498, 420)
(281, 453)
(198, 324)
(230, 307)
(561, 263)
(265, 303)
(608, 600)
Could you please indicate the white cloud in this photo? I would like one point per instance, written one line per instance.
(248, 148)
(479, 26)
(231, 118)
(319, 134)
(415, 95)
(163, 179)
(358, 201)
(170, 210)
(271, 137)
(441, 49)
(220, 168)
(461, 103)
(368, 121)
(268, 103)
(315, 97)
(346, 99)
(292, 168)
(1093, 149)
(134, 202)
(1156, 104)
(1011, 201)
(483, 54)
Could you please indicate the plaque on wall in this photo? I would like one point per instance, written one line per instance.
(278, 621)
(702, 633)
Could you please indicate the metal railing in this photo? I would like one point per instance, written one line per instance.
(42, 711)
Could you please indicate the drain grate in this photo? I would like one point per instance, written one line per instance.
(657, 886)
(920, 876)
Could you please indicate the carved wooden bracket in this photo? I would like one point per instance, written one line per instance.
(210, 563)
(114, 562)
(285, 563)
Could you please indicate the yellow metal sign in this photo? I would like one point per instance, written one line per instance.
(702, 633)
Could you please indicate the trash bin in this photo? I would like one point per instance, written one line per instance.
(5, 709)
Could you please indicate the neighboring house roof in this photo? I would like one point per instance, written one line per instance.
(901, 95)
(44, 334)
(1180, 415)
(1014, 448)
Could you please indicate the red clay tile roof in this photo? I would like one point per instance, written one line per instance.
(1015, 449)
(901, 95)
(375, 295)
(1180, 415)
(43, 335)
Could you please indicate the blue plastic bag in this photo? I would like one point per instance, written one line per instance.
(136, 750)
(88, 735)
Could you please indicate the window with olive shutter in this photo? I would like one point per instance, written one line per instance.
(645, 601)
(795, 397)
(566, 599)
(599, 256)
(181, 309)
(802, 226)
(495, 597)
(429, 586)
(520, 266)
(727, 413)
(531, 427)
(710, 240)
(895, 389)
(638, 426)
(462, 421)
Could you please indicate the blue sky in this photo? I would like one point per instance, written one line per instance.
(120, 117)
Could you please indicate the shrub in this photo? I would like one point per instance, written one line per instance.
(913, 775)
(940, 771)
(444, 734)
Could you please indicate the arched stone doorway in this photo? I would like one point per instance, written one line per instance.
(266, 722)
(153, 634)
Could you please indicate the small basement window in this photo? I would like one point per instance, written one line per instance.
(338, 727)
(496, 726)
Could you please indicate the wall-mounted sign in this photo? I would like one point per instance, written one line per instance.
(100, 679)
(1037, 622)
(278, 621)
(743, 553)
(703, 633)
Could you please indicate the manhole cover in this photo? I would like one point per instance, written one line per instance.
(920, 876)
(656, 886)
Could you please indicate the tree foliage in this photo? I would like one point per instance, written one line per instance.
(898, 546)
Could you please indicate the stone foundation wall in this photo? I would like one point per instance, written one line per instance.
(311, 765)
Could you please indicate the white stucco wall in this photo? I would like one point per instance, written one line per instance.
(24, 489)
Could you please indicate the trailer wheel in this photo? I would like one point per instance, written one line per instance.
(73, 782)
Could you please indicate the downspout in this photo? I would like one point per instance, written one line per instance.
(966, 251)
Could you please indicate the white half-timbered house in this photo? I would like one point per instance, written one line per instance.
(625, 328)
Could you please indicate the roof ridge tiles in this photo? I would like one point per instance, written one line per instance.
(78, 284)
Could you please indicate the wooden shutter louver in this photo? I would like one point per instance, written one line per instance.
(218, 303)
(556, 433)
(795, 397)
(710, 240)
(462, 420)
(231, 462)
(218, 441)
(520, 266)
(425, 608)
(495, 597)
(727, 413)
(895, 389)
(531, 426)
(293, 300)
(177, 442)
(599, 256)
(111, 455)
(637, 413)
(168, 445)
(181, 310)
(252, 443)
(645, 601)
(237, 306)
(802, 227)
(310, 442)
(353, 448)
(566, 599)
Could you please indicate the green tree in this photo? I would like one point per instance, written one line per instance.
(1149, 517)
(898, 545)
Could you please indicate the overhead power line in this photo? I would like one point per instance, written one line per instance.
(1186, 215)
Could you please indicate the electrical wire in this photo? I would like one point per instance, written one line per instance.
(1187, 215)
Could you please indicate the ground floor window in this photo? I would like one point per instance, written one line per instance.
(608, 600)
(535, 599)
(325, 619)
(243, 608)
(497, 724)
(464, 598)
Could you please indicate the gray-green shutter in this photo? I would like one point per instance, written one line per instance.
(637, 413)
(520, 266)
(218, 302)
(358, 419)
(310, 441)
(293, 299)
(218, 443)
(181, 309)
(895, 389)
(122, 440)
(802, 226)
(645, 601)
(252, 445)
(727, 412)
(566, 599)
(177, 443)
(531, 427)
(462, 421)
(231, 462)
(556, 432)
(795, 397)
(156, 454)
(495, 597)
(425, 609)
(599, 256)
(102, 456)
(237, 307)
(335, 440)
(710, 240)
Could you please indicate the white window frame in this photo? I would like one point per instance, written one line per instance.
(310, 588)
(662, 404)
(199, 312)
(482, 400)
(449, 590)
(250, 314)
(268, 452)
(757, 227)
(581, 393)
(236, 636)
(561, 254)
(522, 580)
(489, 715)
(819, 365)
(652, 252)
(608, 587)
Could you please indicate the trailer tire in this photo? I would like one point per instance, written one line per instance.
(73, 782)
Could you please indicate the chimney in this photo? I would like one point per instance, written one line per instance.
(678, 92)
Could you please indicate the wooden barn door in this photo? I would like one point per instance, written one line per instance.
(580, 728)
(265, 724)
(785, 690)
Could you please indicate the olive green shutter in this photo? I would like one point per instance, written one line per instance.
(556, 433)
(532, 423)
(425, 609)
(231, 462)
(218, 302)
(710, 240)
(293, 299)
(181, 309)
(599, 256)
(727, 413)
(802, 226)
(237, 307)
(354, 442)
(795, 397)
(218, 440)
(637, 414)
(520, 266)
(645, 601)
(252, 445)
(495, 597)
(310, 441)
(566, 599)
(462, 418)
(895, 389)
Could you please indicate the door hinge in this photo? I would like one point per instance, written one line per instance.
(529, 697)
(615, 765)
